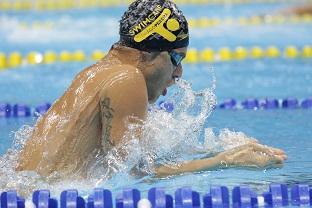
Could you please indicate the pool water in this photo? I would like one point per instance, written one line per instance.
(290, 130)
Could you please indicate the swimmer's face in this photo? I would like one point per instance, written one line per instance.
(165, 69)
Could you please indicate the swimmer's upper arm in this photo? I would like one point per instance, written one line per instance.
(125, 100)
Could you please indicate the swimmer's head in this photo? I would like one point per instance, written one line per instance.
(154, 25)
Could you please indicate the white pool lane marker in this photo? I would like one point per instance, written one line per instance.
(29, 204)
(260, 201)
(144, 203)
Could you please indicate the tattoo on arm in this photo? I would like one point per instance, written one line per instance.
(107, 113)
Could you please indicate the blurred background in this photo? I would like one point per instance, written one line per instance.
(46, 39)
(258, 51)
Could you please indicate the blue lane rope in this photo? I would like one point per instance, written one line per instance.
(217, 197)
(267, 104)
(21, 110)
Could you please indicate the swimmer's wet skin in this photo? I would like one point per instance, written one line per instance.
(95, 111)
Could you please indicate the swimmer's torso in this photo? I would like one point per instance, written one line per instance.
(72, 130)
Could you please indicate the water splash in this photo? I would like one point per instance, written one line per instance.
(166, 139)
(24, 181)
(225, 140)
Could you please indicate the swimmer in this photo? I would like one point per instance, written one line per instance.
(93, 114)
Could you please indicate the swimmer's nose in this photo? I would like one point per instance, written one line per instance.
(178, 72)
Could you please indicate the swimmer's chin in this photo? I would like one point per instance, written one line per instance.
(154, 99)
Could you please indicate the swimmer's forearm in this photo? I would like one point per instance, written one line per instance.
(211, 163)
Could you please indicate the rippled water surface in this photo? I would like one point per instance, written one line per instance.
(290, 130)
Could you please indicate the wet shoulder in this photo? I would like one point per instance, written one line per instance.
(123, 77)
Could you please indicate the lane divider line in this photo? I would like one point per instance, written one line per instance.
(205, 22)
(194, 56)
(51, 5)
(19, 110)
(250, 21)
(279, 195)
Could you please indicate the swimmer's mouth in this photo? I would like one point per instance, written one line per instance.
(164, 93)
(174, 80)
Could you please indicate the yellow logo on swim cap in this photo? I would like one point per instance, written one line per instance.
(158, 27)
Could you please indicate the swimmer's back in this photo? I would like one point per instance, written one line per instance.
(72, 129)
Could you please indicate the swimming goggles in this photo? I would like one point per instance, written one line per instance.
(176, 58)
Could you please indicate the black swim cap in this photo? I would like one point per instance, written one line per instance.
(154, 25)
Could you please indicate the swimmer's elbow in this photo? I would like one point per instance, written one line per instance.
(21, 162)
(24, 164)
(19, 167)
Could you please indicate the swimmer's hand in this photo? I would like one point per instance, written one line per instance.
(251, 155)
(254, 155)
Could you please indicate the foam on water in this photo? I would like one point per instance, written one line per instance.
(166, 139)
